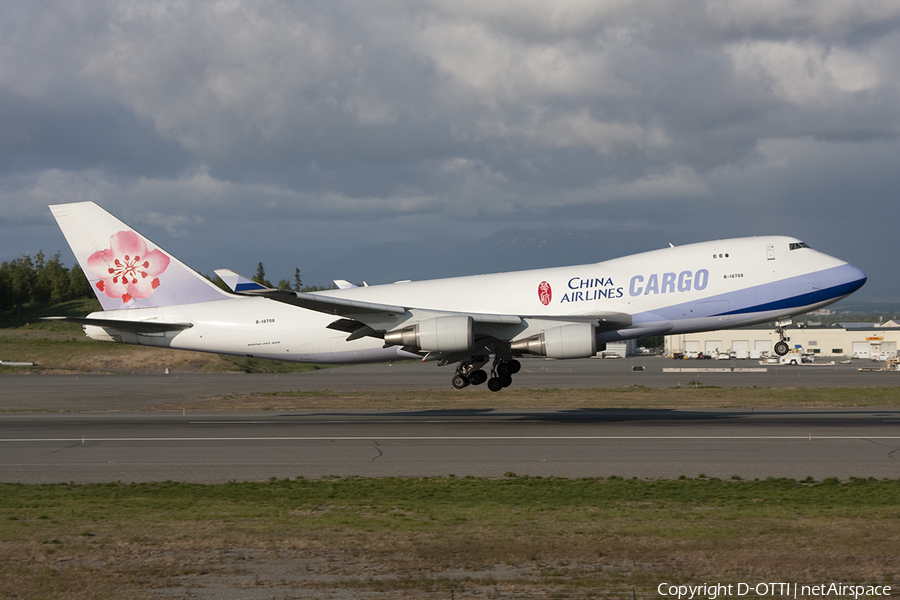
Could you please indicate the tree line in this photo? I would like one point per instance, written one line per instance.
(284, 284)
(36, 281)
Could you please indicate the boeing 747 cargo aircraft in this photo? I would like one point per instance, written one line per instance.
(150, 298)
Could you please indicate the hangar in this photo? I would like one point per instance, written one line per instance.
(849, 340)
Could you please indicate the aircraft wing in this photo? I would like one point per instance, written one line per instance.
(330, 305)
(379, 317)
(359, 310)
(361, 319)
(343, 307)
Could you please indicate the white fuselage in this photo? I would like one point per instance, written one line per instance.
(696, 287)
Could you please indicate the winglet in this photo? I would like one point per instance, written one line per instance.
(238, 283)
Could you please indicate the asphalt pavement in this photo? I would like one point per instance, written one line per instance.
(141, 390)
(97, 428)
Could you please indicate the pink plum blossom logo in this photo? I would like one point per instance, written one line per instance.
(127, 270)
(544, 293)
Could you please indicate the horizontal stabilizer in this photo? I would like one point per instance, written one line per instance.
(123, 325)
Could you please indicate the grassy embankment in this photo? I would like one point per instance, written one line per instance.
(518, 536)
(575, 399)
(63, 347)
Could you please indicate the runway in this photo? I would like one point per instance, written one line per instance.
(217, 447)
(147, 391)
(96, 428)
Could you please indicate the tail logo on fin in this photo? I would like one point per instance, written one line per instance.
(126, 269)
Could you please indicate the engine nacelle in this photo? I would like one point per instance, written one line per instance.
(576, 340)
(440, 334)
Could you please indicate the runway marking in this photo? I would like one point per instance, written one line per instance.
(715, 370)
(447, 421)
(462, 438)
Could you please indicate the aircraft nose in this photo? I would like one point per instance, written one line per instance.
(855, 277)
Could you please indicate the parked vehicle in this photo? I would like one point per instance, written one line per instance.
(795, 356)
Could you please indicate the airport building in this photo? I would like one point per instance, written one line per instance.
(848, 340)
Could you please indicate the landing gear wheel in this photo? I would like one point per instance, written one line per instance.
(781, 348)
(505, 380)
(504, 368)
(516, 366)
(494, 384)
(478, 377)
(459, 381)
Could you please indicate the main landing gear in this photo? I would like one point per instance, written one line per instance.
(781, 347)
(471, 373)
(501, 374)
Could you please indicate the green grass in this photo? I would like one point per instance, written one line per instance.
(579, 399)
(574, 536)
(269, 499)
(54, 346)
(247, 364)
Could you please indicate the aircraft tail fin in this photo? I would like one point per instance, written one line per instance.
(125, 269)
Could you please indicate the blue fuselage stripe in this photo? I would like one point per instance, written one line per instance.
(807, 299)
(792, 293)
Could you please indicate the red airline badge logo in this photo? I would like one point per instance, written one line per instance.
(544, 293)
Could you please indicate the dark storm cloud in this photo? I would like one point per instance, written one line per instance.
(342, 124)
(35, 136)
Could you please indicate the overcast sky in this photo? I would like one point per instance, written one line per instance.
(297, 133)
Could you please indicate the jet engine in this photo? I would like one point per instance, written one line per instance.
(576, 340)
(440, 334)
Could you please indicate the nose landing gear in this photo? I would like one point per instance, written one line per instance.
(781, 347)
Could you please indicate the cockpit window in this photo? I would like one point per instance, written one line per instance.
(798, 245)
